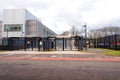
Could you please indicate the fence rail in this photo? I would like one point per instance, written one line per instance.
(110, 42)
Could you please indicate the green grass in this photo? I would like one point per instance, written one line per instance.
(113, 53)
(3, 51)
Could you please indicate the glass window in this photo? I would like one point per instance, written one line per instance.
(13, 27)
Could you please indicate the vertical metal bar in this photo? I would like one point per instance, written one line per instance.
(7, 32)
(115, 41)
(63, 44)
(48, 43)
(109, 43)
(18, 42)
(7, 36)
(25, 44)
(38, 45)
(10, 43)
(32, 42)
(78, 44)
(104, 41)
(71, 44)
(86, 36)
(55, 43)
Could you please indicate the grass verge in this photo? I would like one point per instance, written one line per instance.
(113, 53)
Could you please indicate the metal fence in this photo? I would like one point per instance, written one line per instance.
(40, 44)
(110, 42)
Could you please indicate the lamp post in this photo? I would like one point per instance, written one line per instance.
(85, 35)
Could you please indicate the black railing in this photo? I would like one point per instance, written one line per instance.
(109, 42)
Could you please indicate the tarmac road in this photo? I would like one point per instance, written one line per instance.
(59, 70)
(58, 65)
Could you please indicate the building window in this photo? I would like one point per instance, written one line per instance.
(13, 27)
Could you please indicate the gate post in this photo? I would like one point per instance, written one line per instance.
(25, 44)
(55, 43)
(18, 43)
(71, 43)
(48, 43)
(78, 44)
(32, 42)
(63, 44)
(38, 45)
(109, 43)
(115, 41)
(10, 43)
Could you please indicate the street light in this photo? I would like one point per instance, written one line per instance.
(85, 35)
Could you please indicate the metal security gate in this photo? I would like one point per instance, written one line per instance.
(66, 43)
(45, 44)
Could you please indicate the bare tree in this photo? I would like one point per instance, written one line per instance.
(104, 32)
(74, 30)
(65, 33)
(90, 34)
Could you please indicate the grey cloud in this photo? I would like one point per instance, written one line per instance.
(54, 11)
(71, 18)
(114, 22)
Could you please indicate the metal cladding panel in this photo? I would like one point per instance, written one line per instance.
(31, 25)
(29, 16)
(31, 28)
(14, 16)
(0, 29)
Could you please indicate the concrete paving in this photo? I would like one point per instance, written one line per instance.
(41, 52)
(58, 70)
(58, 65)
(56, 55)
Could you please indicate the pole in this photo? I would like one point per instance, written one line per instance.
(7, 32)
(42, 38)
(96, 42)
(7, 35)
(86, 36)
(55, 43)
(116, 42)
(63, 44)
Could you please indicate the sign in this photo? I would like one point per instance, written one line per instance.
(28, 42)
(40, 43)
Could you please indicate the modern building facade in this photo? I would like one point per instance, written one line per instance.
(0, 29)
(21, 23)
(22, 30)
(0, 32)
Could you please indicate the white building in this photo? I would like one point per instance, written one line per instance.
(21, 23)
(0, 29)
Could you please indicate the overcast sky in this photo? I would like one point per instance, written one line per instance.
(60, 15)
